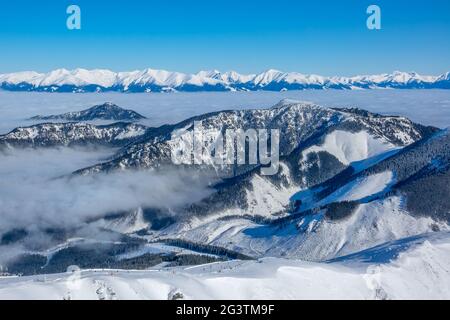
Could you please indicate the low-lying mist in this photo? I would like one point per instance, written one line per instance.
(38, 192)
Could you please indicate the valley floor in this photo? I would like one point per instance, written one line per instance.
(412, 268)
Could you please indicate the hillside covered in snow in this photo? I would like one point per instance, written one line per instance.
(413, 268)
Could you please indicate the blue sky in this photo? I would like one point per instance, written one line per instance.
(322, 37)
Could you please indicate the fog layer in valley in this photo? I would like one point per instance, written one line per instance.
(429, 107)
(38, 192)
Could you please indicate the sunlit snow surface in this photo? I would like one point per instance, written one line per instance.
(349, 147)
(413, 268)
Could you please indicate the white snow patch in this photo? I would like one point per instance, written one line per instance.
(350, 147)
(361, 188)
(265, 198)
(131, 133)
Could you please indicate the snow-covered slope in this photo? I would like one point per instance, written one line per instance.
(419, 166)
(350, 147)
(401, 195)
(314, 236)
(414, 268)
(149, 80)
(362, 188)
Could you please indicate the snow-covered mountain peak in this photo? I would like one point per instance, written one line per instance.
(285, 103)
(213, 74)
(233, 77)
(106, 111)
(445, 76)
(403, 73)
(404, 77)
(267, 77)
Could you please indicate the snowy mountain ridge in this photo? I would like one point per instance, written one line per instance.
(297, 122)
(106, 111)
(150, 80)
(72, 134)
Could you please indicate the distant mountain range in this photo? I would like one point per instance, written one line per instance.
(149, 80)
